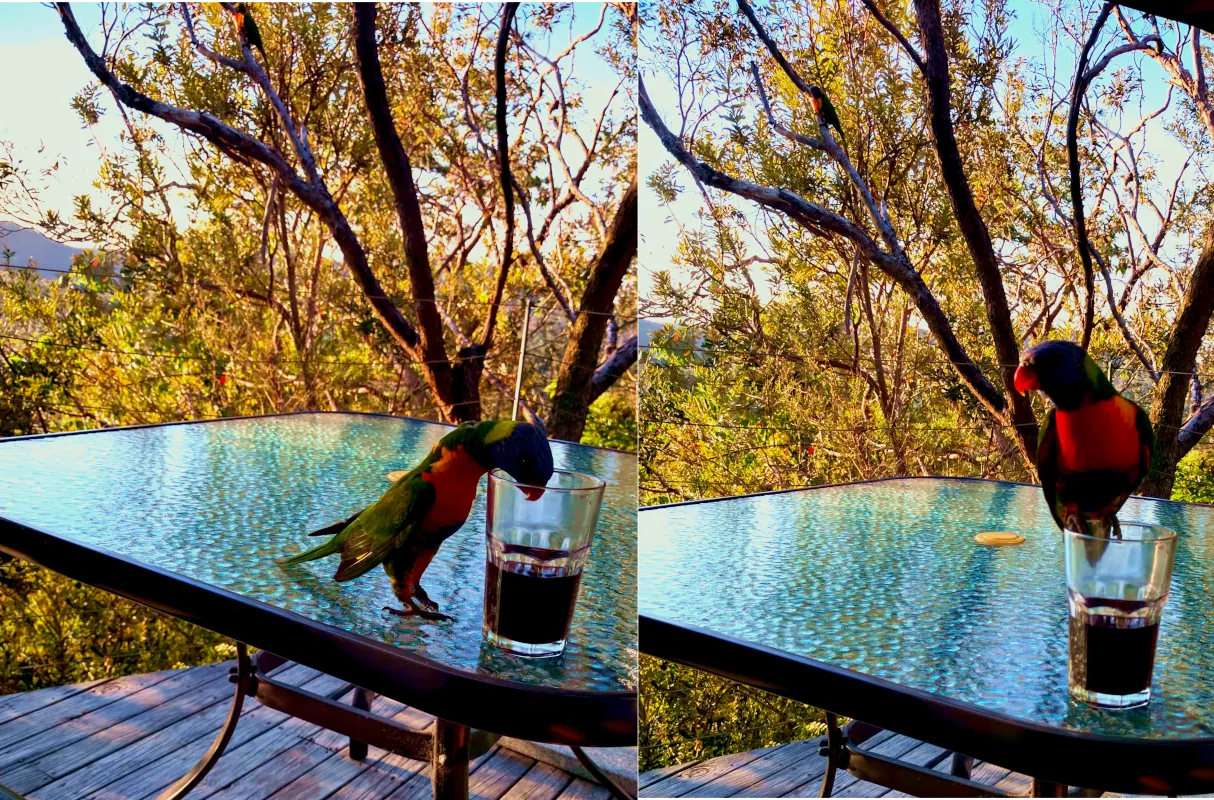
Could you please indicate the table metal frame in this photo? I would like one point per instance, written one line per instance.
(1055, 757)
(466, 705)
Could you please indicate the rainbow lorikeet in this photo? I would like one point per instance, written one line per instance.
(244, 19)
(1095, 447)
(824, 109)
(404, 528)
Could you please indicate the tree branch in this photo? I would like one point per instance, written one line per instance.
(621, 359)
(241, 146)
(1184, 343)
(574, 383)
(1078, 88)
(821, 222)
(1197, 426)
(902, 40)
(505, 179)
(969, 219)
(792, 74)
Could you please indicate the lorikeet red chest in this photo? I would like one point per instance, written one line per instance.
(1101, 435)
(1095, 446)
(454, 477)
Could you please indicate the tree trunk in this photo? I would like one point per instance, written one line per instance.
(973, 227)
(578, 383)
(1172, 391)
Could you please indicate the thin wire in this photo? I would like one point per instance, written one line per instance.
(448, 299)
(862, 428)
(790, 356)
(236, 360)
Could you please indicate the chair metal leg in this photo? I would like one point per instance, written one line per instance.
(1047, 789)
(961, 766)
(362, 700)
(241, 675)
(834, 752)
(449, 762)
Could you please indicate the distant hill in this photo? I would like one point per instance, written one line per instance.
(645, 330)
(28, 244)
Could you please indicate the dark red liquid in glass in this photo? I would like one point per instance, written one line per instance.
(530, 603)
(1113, 660)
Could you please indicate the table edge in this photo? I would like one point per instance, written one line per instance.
(246, 417)
(884, 480)
(575, 716)
(1073, 758)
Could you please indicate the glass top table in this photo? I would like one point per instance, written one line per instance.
(219, 503)
(884, 580)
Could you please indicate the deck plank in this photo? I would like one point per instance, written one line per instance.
(496, 776)
(688, 780)
(759, 770)
(796, 770)
(13, 706)
(541, 782)
(386, 776)
(582, 789)
(162, 758)
(155, 728)
(55, 752)
(13, 736)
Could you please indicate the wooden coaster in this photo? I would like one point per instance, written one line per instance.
(393, 477)
(998, 538)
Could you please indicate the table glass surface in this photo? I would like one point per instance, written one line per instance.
(222, 502)
(886, 579)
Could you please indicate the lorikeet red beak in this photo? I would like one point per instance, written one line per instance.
(533, 492)
(1026, 379)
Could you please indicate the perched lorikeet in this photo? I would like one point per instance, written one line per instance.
(1095, 446)
(404, 528)
(244, 18)
(824, 109)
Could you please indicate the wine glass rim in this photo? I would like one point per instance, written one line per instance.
(1167, 534)
(596, 483)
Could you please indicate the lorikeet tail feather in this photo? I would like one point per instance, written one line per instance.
(337, 527)
(320, 551)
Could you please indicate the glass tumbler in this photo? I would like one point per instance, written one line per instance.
(535, 551)
(1116, 590)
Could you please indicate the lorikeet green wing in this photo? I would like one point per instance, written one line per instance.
(1047, 467)
(248, 26)
(386, 525)
(829, 115)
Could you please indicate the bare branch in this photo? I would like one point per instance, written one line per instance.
(1078, 88)
(969, 219)
(792, 74)
(621, 359)
(504, 176)
(902, 40)
(822, 222)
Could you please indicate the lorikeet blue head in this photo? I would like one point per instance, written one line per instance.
(1064, 373)
(518, 448)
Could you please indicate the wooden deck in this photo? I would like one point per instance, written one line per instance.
(129, 738)
(796, 770)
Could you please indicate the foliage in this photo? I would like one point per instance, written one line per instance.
(687, 715)
(789, 358)
(207, 290)
(612, 423)
(55, 631)
(1195, 478)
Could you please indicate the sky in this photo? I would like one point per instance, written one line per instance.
(659, 242)
(35, 111)
(43, 71)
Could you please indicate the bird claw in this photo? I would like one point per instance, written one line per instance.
(414, 610)
(420, 596)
